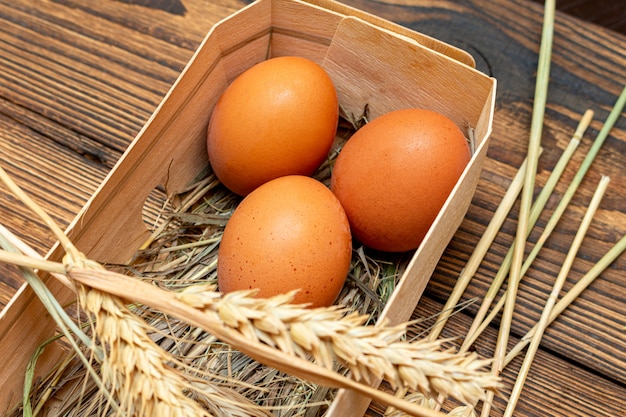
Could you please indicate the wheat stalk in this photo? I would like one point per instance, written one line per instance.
(327, 334)
(137, 370)
(273, 331)
(536, 211)
(570, 296)
(481, 248)
(243, 321)
(544, 321)
(534, 143)
(480, 322)
(539, 105)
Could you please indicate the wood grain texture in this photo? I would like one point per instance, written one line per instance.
(609, 14)
(79, 79)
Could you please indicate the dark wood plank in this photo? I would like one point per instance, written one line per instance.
(78, 80)
(609, 14)
(100, 87)
(77, 86)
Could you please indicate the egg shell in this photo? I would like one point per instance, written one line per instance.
(395, 173)
(277, 118)
(290, 233)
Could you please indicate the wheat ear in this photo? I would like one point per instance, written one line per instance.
(139, 373)
(133, 366)
(272, 331)
(380, 352)
(329, 334)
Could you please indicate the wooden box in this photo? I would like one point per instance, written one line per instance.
(371, 61)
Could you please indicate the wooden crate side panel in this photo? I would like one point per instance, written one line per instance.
(251, 22)
(109, 227)
(305, 20)
(404, 67)
(429, 42)
(285, 44)
(244, 38)
(302, 29)
(483, 127)
(254, 50)
(384, 70)
(170, 151)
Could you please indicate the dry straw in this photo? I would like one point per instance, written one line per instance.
(552, 298)
(553, 307)
(536, 211)
(133, 368)
(480, 322)
(512, 265)
(516, 271)
(498, 218)
(536, 128)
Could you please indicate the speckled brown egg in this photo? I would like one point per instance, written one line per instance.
(394, 175)
(290, 233)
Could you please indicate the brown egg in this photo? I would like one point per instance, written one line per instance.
(289, 233)
(394, 174)
(277, 118)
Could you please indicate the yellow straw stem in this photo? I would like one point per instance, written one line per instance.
(152, 296)
(556, 290)
(480, 323)
(477, 326)
(572, 294)
(35, 208)
(22, 247)
(538, 206)
(481, 249)
(478, 255)
(30, 262)
(539, 106)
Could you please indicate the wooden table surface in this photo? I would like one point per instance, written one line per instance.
(78, 79)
